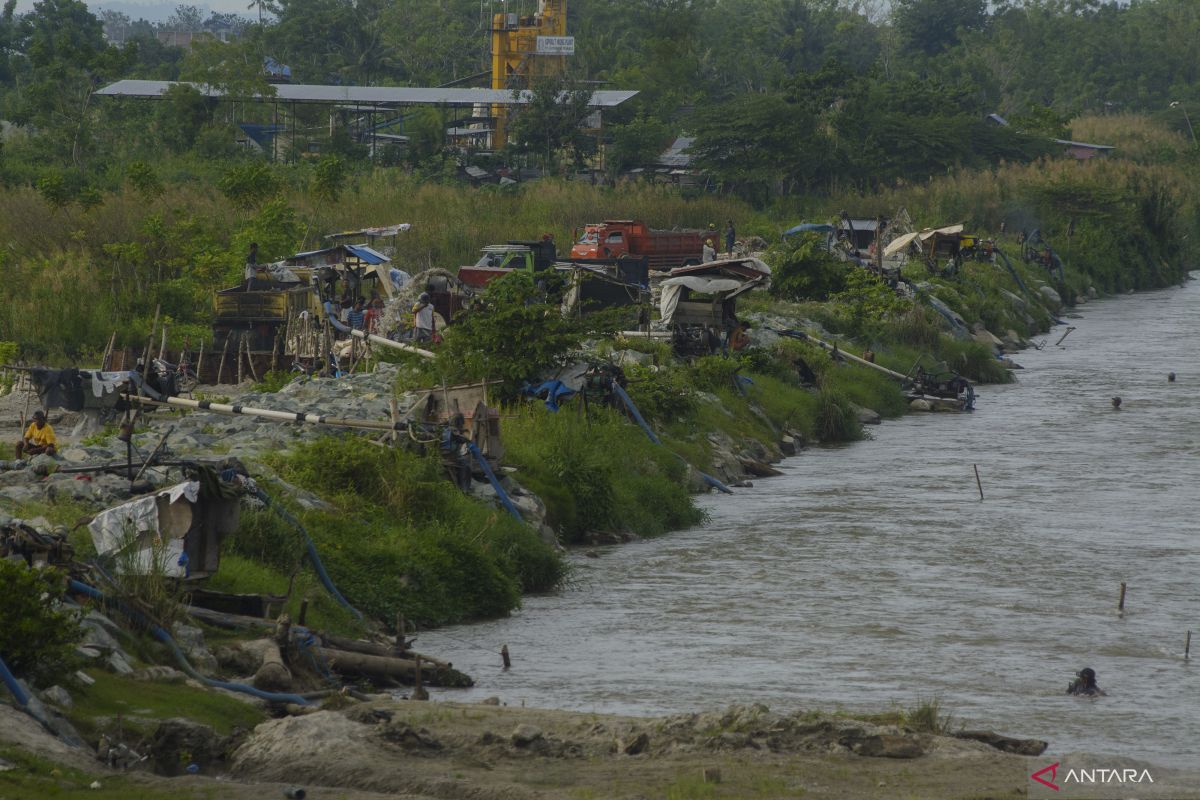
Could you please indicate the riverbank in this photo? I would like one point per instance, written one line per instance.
(490, 752)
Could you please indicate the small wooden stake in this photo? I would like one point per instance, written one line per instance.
(1187, 646)
(1121, 602)
(221, 364)
(504, 657)
(978, 482)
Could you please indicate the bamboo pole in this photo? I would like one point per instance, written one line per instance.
(240, 346)
(221, 365)
(162, 348)
(1121, 602)
(200, 361)
(978, 482)
(250, 359)
(150, 340)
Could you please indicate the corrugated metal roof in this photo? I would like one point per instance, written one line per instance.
(674, 156)
(367, 254)
(395, 95)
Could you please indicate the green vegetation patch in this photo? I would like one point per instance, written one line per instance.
(403, 539)
(141, 704)
(598, 472)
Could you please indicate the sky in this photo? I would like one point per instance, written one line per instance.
(156, 11)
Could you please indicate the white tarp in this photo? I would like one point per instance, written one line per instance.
(899, 244)
(672, 288)
(151, 528)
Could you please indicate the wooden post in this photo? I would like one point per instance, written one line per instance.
(240, 346)
(275, 352)
(1187, 647)
(200, 361)
(221, 364)
(1121, 602)
(108, 352)
(978, 482)
(418, 692)
(162, 348)
(250, 359)
(504, 657)
(395, 409)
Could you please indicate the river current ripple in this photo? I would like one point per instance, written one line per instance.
(871, 575)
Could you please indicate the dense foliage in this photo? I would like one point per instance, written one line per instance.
(37, 638)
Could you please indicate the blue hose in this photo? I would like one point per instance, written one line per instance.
(326, 581)
(491, 476)
(185, 665)
(10, 681)
(633, 411)
(637, 416)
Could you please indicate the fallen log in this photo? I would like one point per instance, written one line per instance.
(402, 670)
(273, 675)
(381, 650)
(758, 469)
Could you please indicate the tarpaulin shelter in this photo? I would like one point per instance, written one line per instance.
(176, 531)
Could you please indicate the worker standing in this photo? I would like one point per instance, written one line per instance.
(730, 236)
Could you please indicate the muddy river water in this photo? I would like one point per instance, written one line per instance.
(871, 575)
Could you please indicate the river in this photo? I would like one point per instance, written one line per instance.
(871, 575)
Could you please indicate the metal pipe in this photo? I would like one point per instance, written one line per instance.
(834, 349)
(266, 413)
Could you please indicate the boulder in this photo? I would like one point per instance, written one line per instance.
(888, 745)
(117, 662)
(1051, 296)
(191, 641)
(1023, 747)
(57, 696)
(525, 735)
(43, 464)
(866, 416)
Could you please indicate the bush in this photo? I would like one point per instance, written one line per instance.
(802, 269)
(37, 640)
(602, 474)
(404, 540)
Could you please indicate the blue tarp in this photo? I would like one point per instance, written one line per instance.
(367, 254)
(555, 392)
(809, 227)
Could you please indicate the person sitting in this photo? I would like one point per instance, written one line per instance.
(39, 438)
(423, 319)
(356, 319)
(1085, 684)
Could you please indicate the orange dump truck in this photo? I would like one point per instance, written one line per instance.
(626, 238)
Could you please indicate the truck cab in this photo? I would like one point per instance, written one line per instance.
(602, 241)
(500, 259)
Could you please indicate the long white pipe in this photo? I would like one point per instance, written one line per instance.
(267, 413)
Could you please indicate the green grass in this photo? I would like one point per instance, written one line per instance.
(35, 777)
(598, 473)
(142, 703)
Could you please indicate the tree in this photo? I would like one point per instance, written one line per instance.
(551, 121)
(760, 145)
(932, 26)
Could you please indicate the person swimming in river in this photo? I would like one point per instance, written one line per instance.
(1085, 684)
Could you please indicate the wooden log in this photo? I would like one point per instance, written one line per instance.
(273, 675)
(392, 669)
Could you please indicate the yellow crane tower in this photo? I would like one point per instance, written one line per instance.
(525, 48)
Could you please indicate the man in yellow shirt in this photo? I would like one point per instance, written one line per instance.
(39, 438)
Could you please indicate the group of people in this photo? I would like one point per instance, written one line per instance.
(357, 314)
